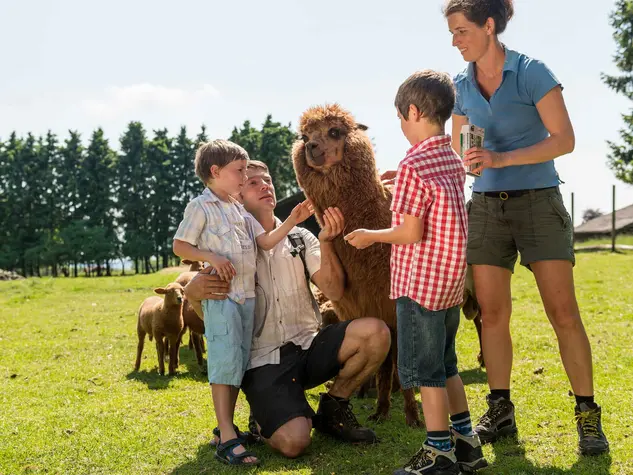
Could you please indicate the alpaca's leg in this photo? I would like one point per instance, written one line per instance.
(480, 356)
(411, 412)
(385, 378)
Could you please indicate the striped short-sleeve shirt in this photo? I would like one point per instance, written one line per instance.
(227, 229)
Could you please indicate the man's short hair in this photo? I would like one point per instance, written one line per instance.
(216, 152)
(431, 92)
(258, 165)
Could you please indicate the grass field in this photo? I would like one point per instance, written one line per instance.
(72, 404)
(620, 240)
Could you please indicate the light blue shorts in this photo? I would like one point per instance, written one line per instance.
(228, 327)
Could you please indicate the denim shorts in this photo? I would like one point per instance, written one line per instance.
(426, 344)
(228, 327)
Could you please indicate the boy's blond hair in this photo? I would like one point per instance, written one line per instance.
(216, 152)
(431, 92)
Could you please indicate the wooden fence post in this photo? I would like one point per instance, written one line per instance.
(573, 232)
(613, 222)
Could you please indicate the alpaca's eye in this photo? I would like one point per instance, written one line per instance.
(334, 133)
(305, 138)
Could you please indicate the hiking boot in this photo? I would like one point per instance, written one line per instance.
(335, 417)
(591, 439)
(498, 421)
(468, 453)
(430, 461)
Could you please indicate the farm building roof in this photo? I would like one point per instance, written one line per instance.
(602, 224)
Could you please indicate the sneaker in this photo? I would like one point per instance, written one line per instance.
(498, 421)
(591, 439)
(430, 461)
(468, 453)
(336, 418)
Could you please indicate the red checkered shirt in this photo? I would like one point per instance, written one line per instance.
(430, 186)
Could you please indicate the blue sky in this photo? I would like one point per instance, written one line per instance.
(74, 64)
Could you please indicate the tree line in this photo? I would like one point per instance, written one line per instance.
(67, 205)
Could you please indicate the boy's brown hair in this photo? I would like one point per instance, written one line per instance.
(431, 92)
(216, 152)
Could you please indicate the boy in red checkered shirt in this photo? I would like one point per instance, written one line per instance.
(428, 267)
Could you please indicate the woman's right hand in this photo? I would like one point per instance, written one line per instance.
(223, 267)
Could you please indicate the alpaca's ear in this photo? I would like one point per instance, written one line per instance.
(160, 290)
(361, 127)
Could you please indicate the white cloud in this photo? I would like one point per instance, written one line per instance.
(120, 101)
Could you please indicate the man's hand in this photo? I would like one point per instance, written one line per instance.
(301, 212)
(360, 239)
(333, 224)
(223, 267)
(205, 286)
(389, 177)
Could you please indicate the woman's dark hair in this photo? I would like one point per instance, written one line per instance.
(478, 11)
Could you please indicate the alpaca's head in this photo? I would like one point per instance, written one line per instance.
(329, 136)
(173, 293)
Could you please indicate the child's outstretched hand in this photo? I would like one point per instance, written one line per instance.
(223, 267)
(360, 239)
(302, 211)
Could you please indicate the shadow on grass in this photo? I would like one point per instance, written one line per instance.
(510, 455)
(187, 361)
(474, 375)
(206, 463)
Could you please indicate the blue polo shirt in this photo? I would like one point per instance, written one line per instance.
(511, 120)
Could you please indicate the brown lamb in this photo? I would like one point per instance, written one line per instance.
(335, 166)
(192, 321)
(162, 319)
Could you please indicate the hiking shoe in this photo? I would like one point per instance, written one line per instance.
(430, 461)
(335, 417)
(498, 421)
(468, 453)
(591, 439)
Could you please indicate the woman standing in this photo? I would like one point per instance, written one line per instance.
(517, 208)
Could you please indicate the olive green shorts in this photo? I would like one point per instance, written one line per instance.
(533, 223)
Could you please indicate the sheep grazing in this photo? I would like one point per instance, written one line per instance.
(335, 166)
(192, 321)
(184, 277)
(196, 330)
(161, 318)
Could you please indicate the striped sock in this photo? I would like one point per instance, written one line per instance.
(462, 424)
(440, 439)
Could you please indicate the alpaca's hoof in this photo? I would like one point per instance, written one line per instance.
(379, 416)
(414, 421)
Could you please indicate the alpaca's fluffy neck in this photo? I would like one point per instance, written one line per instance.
(344, 187)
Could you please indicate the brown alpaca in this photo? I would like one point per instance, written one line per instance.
(161, 319)
(335, 166)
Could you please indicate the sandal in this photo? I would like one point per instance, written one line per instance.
(247, 438)
(225, 453)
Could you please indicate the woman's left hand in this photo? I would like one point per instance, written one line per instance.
(482, 158)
